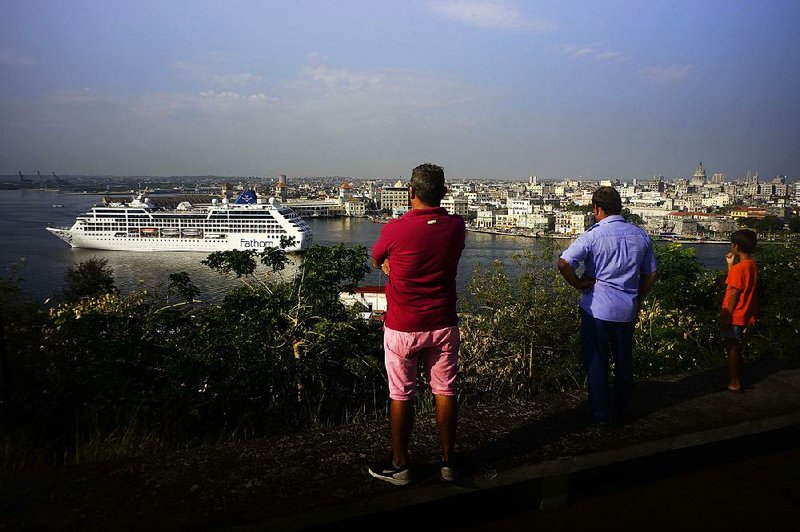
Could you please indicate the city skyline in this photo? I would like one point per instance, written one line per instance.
(488, 89)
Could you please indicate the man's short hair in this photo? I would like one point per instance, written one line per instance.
(427, 180)
(607, 198)
(745, 239)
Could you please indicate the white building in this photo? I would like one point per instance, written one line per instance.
(396, 197)
(717, 200)
(455, 205)
(485, 218)
(538, 220)
(355, 207)
(572, 223)
(478, 198)
(520, 206)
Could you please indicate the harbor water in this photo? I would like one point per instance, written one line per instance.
(40, 260)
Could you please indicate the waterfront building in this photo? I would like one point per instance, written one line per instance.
(345, 192)
(355, 207)
(571, 223)
(541, 221)
(485, 218)
(317, 208)
(396, 197)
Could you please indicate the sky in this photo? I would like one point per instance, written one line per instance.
(489, 89)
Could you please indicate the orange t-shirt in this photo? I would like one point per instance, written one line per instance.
(743, 276)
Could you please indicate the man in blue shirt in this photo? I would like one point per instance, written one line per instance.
(619, 270)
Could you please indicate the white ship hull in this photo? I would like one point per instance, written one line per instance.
(110, 242)
(139, 226)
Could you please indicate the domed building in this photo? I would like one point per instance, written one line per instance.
(699, 177)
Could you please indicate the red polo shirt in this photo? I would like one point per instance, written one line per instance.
(423, 247)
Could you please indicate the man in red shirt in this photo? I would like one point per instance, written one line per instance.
(740, 305)
(419, 252)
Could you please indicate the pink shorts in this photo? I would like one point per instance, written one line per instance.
(438, 350)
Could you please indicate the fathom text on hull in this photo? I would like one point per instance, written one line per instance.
(247, 223)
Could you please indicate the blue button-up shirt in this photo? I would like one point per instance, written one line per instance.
(616, 254)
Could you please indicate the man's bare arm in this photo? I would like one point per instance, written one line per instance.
(646, 284)
(581, 283)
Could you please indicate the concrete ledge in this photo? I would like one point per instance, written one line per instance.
(553, 474)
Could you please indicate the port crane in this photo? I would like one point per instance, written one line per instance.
(23, 179)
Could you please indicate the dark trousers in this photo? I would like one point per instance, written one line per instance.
(597, 337)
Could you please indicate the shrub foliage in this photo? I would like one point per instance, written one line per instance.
(102, 374)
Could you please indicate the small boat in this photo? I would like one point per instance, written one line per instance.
(58, 205)
(121, 234)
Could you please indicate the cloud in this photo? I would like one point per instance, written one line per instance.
(666, 74)
(9, 58)
(235, 96)
(490, 14)
(340, 78)
(204, 73)
(323, 97)
(337, 114)
(573, 51)
(379, 91)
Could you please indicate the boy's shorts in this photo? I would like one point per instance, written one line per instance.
(438, 350)
(734, 332)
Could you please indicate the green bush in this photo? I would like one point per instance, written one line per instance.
(107, 375)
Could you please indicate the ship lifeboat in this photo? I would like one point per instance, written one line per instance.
(190, 232)
(215, 235)
(149, 231)
(169, 232)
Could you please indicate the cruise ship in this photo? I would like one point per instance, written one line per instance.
(247, 223)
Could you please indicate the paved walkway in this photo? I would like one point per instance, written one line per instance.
(550, 445)
(316, 479)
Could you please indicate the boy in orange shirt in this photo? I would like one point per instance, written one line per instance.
(740, 305)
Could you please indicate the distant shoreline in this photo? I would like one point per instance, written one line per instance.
(571, 237)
